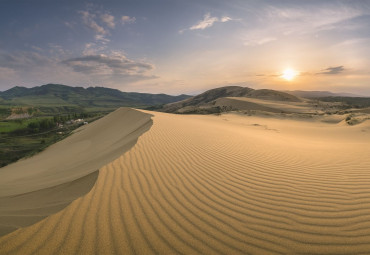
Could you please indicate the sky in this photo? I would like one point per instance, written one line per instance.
(178, 46)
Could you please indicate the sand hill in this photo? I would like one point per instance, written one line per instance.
(226, 184)
(273, 106)
(205, 102)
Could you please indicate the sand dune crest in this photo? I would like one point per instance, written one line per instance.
(34, 188)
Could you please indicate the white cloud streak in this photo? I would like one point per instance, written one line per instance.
(226, 19)
(206, 22)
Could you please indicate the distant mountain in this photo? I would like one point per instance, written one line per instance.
(318, 94)
(230, 91)
(62, 95)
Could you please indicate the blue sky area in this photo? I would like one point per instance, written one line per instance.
(175, 47)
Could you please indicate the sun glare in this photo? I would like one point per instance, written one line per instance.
(289, 74)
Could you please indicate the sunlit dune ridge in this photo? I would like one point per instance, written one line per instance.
(226, 184)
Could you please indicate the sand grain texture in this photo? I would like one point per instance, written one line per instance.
(224, 184)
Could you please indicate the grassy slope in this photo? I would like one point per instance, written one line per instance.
(16, 142)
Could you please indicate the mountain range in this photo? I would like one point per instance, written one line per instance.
(62, 95)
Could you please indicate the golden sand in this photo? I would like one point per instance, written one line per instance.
(226, 184)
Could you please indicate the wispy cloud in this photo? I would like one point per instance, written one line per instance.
(225, 19)
(279, 22)
(89, 20)
(128, 20)
(314, 16)
(300, 20)
(206, 22)
(93, 48)
(103, 24)
(102, 39)
(258, 41)
(108, 20)
(332, 70)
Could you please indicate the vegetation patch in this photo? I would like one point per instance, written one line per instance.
(25, 137)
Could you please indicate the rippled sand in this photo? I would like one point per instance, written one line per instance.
(226, 184)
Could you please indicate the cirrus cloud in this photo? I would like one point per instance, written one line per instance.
(206, 22)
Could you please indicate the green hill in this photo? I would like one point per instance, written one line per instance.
(62, 95)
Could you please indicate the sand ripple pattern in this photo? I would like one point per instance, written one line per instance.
(194, 186)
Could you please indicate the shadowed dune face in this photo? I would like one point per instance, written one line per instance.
(29, 208)
(36, 187)
(220, 185)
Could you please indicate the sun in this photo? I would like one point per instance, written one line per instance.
(289, 74)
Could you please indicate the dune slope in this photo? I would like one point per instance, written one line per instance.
(36, 187)
(220, 185)
(244, 103)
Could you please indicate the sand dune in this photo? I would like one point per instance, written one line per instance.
(226, 184)
(36, 187)
(244, 103)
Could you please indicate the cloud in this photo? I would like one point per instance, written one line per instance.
(225, 19)
(207, 21)
(93, 48)
(114, 65)
(108, 20)
(102, 39)
(327, 16)
(293, 19)
(89, 20)
(332, 70)
(316, 16)
(127, 20)
(259, 41)
(27, 68)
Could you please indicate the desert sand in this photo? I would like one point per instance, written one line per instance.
(228, 184)
(244, 103)
(34, 188)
